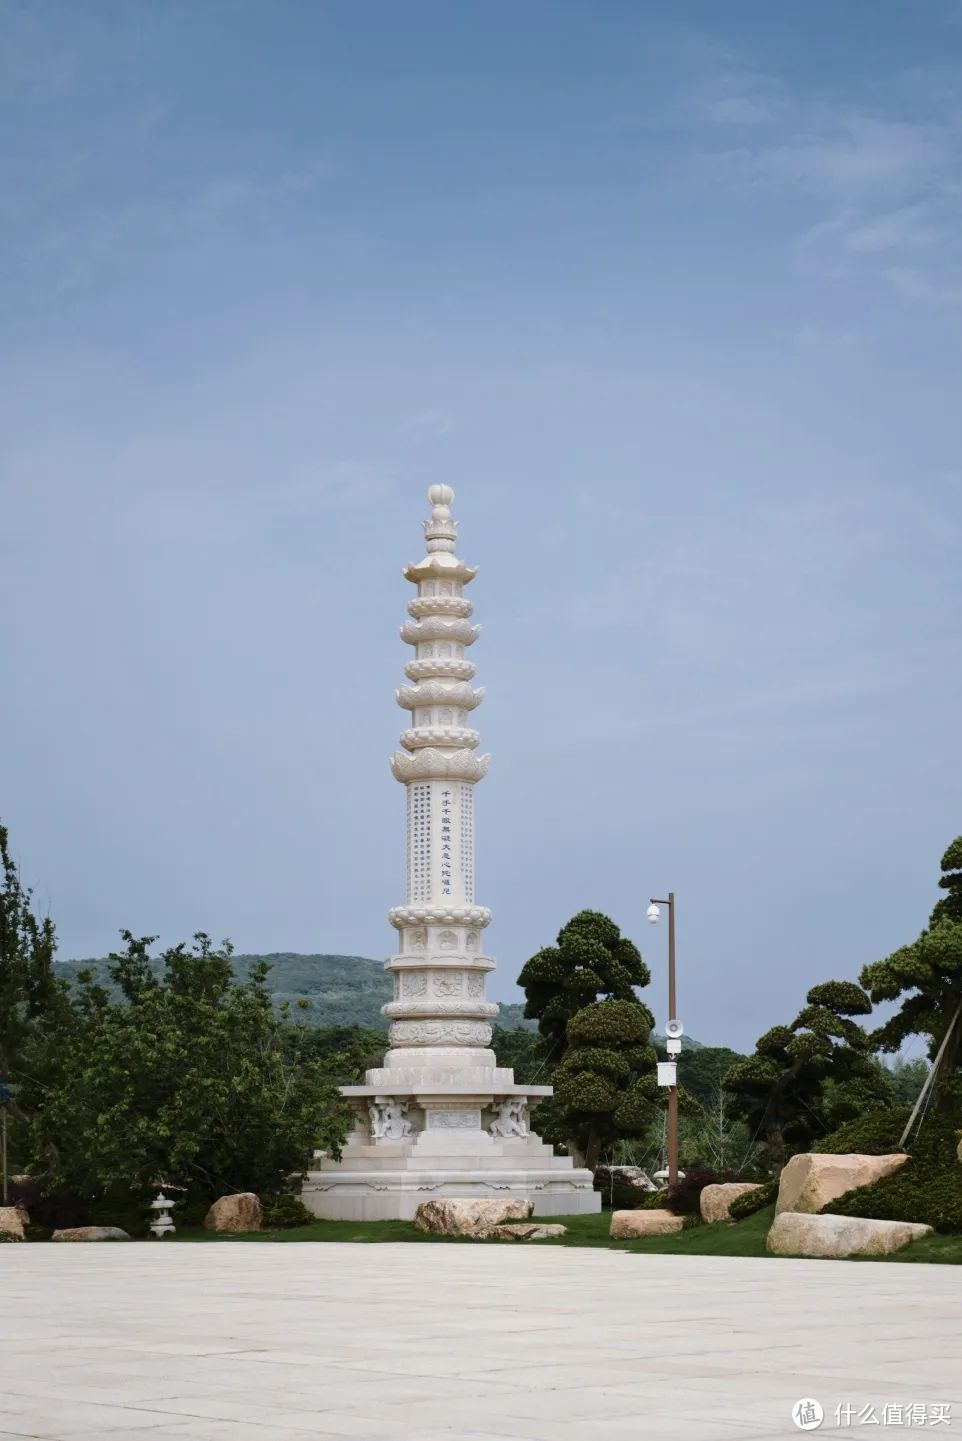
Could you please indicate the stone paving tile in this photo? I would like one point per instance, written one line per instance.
(403, 1343)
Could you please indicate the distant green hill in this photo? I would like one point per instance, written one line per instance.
(340, 990)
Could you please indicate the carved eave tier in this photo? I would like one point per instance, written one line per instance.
(470, 1010)
(436, 961)
(439, 692)
(437, 667)
(440, 565)
(421, 736)
(438, 627)
(436, 765)
(454, 605)
(401, 916)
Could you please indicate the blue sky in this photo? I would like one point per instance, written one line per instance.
(671, 295)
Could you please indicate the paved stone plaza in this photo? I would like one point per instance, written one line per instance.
(281, 1342)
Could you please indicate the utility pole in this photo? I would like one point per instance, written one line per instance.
(673, 1031)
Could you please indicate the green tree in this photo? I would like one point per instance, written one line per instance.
(345, 1052)
(521, 1050)
(805, 1079)
(928, 975)
(35, 1009)
(908, 1077)
(188, 1077)
(596, 1029)
(591, 961)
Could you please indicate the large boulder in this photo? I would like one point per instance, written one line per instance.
(626, 1225)
(451, 1216)
(715, 1201)
(797, 1233)
(809, 1181)
(12, 1221)
(90, 1233)
(239, 1212)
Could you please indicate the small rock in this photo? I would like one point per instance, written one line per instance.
(239, 1212)
(715, 1201)
(12, 1220)
(809, 1181)
(451, 1216)
(797, 1233)
(90, 1233)
(522, 1231)
(627, 1224)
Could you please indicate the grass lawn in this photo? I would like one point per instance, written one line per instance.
(746, 1238)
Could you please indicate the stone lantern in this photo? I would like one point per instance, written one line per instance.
(162, 1225)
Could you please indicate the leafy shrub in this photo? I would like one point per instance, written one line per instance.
(282, 1213)
(655, 1201)
(129, 1212)
(619, 1194)
(684, 1199)
(876, 1133)
(191, 1211)
(928, 1188)
(50, 1211)
(751, 1201)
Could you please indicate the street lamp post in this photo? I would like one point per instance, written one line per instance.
(654, 916)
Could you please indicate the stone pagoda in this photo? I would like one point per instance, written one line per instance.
(440, 1117)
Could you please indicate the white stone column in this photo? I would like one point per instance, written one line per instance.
(439, 1117)
(439, 1002)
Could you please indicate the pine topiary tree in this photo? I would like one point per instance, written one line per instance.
(928, 973)
(591, 961)
(805, 1079)
(582, 993)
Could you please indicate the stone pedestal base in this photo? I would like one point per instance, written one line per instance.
(389, 1180)
(448, 1149)
(443, 1123)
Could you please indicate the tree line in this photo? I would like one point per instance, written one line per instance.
(182, 1073)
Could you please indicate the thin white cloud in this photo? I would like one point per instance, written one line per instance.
(883, 189)
(739, 110)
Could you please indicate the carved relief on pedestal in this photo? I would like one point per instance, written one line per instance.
(452, 1120)
(448, 940)
(415, 983)
(440, 1033)
(475, 986)
(448, 983)
(511, 1118)
(387, 1119)
(472, 941)
(415, 939)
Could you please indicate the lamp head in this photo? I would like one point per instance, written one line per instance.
(654, 914)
